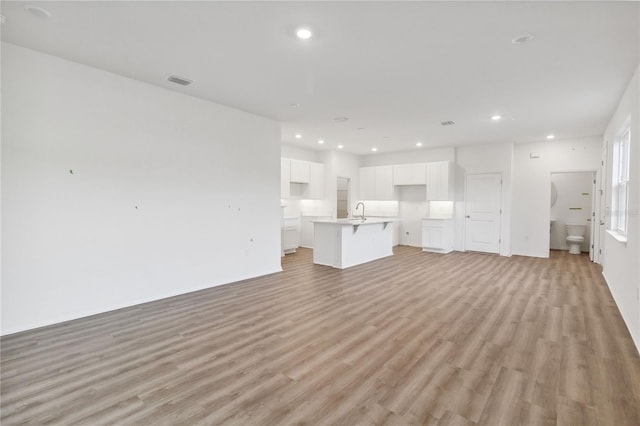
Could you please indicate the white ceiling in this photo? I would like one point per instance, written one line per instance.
(395, 69)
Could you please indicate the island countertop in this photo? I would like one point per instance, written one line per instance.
(355, 221)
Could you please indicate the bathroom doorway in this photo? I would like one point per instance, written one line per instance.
(342, 197)
(572, 203)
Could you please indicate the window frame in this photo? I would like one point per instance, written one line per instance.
(621, 163)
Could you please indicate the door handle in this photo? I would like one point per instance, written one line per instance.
(601, 223)
(468, 217)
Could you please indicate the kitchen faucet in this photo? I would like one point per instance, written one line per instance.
(361, 204)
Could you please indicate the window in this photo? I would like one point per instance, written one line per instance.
(620, 180)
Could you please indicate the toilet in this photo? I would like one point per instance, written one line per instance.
(575, 237)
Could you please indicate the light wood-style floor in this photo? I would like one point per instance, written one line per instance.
(457, 339)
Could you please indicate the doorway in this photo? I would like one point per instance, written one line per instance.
(483, 211)
(342, 198)
(572, 203)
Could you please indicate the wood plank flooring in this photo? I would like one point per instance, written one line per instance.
(417, 338)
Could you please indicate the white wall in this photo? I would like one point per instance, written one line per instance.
(533, 164)
(164, 198)
(422, 155)
(573, 205)
(412, 207)
(299, 153)
(495, 158)
(621, 265)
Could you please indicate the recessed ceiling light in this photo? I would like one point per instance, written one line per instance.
(551, 136)
(304, 33)
(340, 119)
(320, 141)
(418, 144)
(523, 38)
(360, 128)
(37, 11)
(340, 146)
(496, 117)
(298, 136)
(294, 105)
(374, 149)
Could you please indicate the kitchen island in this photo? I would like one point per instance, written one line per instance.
(343, 243)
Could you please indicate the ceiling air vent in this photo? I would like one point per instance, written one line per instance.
(179, 80)
(448, 123)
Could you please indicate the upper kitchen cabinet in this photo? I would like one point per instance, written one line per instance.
(299, 171)
(410, 174)
(367, 183)
(301, 179)
(315, 189)
(440, 181)
(376, 183)
(285, 178)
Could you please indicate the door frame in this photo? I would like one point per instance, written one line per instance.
(464, 215)
(595, 245)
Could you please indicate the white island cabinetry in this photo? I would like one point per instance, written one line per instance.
(344, 243)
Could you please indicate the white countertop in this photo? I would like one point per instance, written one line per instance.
(355, 221)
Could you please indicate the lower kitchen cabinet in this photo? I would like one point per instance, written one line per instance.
(437, 235)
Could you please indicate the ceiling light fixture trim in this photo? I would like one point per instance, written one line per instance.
(183, 81)
(523, 38)
(38, 11)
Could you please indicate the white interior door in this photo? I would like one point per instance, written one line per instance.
(601, 210)
(593, 220)
(483, 211)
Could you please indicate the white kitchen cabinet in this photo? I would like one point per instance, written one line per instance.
(301, 179)
(410, 174)
(437, 235)
(384, 189)
(299, 171)
(290, 235)
(315, 189)
(367, 182)
(376, 183)
(285, 178)
(440, 181)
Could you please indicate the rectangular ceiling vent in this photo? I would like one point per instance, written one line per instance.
(448, 123)
(179, 80)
